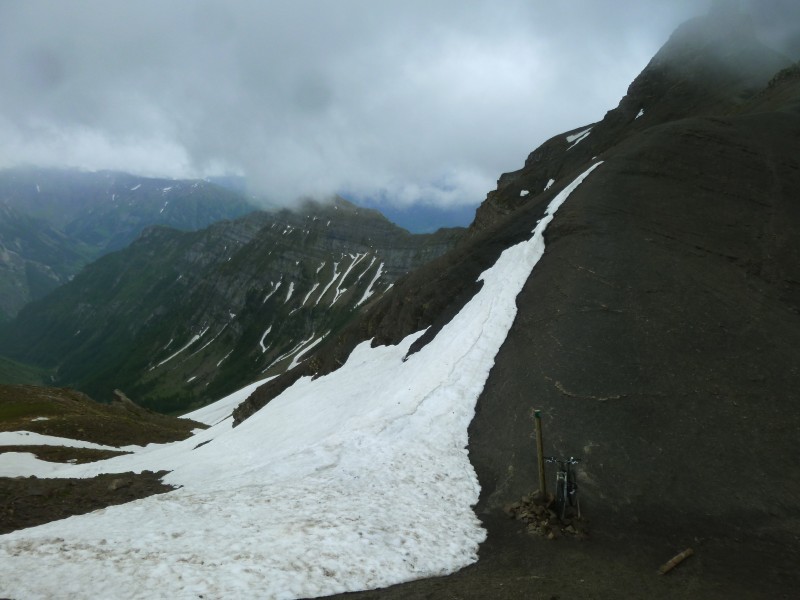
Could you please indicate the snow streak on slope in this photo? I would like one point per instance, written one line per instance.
(195, 337)
(358, 479)
(332, 281)
(263, 337)
(369, 290)
(577, 138)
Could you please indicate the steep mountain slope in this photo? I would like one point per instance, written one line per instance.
(53, 222)
(180, 318)
(659, 334)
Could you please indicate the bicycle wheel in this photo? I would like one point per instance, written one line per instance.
(574, 501)
(561, 499)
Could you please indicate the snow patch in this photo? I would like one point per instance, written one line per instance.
(220, 410)
(580, 134)
(549, 184)
(195, 337)
(577, 138)
(263, 337)
(357, 258)
(330, 283)
(311, 291)
(29, 438)
(524, 193)
(222, 360)
(369, 291)
(273, 289)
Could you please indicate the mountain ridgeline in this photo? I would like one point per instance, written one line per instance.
(54, 222)
(178, 319)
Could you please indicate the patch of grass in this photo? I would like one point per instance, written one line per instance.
(12, 372)
(74, 415)
(14, 410)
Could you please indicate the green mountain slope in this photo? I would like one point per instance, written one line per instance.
(179, 318)
(53, 222)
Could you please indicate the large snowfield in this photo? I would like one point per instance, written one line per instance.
(359, 479)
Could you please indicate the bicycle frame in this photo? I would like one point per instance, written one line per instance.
(566, 487)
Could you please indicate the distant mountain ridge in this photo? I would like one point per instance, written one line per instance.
(179, 318)
(53, 222)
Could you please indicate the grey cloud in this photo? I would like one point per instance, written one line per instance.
(412, 101)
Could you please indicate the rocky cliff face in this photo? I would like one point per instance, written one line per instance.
(53, 222)
(178, 319)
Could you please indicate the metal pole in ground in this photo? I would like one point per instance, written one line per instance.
(537, 417)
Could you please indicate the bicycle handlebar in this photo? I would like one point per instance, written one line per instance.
(571, 460)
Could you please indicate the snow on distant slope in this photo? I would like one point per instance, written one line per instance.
(214, 413)
(355, 480)
(369, 291)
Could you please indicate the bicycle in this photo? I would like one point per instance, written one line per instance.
(566, 487)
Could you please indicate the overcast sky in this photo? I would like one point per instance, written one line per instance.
(411, 101)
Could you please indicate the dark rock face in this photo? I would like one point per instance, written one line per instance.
(179, 319)
(659, 336)
(660, 331)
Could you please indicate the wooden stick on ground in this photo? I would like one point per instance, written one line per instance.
(675, 561)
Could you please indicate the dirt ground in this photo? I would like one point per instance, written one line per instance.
(29, 501)
(613, 563)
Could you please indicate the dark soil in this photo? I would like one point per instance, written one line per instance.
(29, 501)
